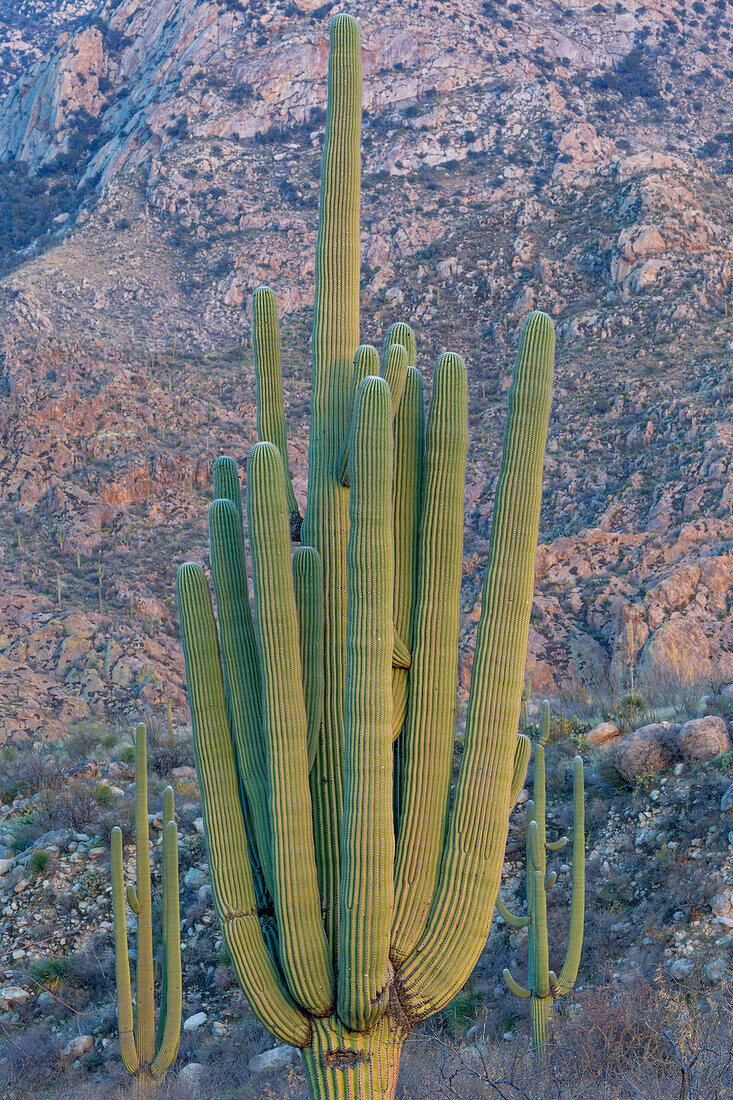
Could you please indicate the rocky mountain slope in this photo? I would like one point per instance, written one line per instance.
(163, 159)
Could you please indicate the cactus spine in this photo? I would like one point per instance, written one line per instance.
(147, 1053)
(544, 985)
(352, 898)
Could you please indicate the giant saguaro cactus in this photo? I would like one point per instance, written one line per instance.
(544, 985)
(146, 1052)
(353, 897)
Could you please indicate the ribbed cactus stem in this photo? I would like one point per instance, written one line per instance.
(160, 1046)
(544, 986)
(145, 994)
(232, 883)
(271, 424)
(350, 875)
(335, 339)
(429, 731)
(367, 846)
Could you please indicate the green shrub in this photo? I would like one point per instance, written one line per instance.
(39, 862)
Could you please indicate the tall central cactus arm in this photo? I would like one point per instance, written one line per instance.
(429, 729)
(224, 827)
(477, 831)
(130, 1060)
(271, 425)
(304, 952)
(569, 972)
(367, 850)
(242, 678)
(335, 339)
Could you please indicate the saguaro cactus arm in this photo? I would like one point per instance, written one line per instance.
(308, 585)
(429, 730)
(509, 918)
(231, 872)
(569, 972)
(128, 1052)
(477, 831)
(367, 844)
(303, 950)
(335, 339)
(271, 425)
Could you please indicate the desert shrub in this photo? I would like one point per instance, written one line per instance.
(39, 862)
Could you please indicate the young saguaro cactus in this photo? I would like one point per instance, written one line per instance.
(351, 894)
(146, 1052)
(544, 985)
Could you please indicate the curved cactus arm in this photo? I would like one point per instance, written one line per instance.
(122, 962)
(409, 446)
(226, 484)
(394, 371)
(171, 993)
(367, 846)
(271, 425)
(477, 831)
(428, 735)
(145, 976)
(308, 585)
(509, 918)
(366, 363)
(132, 899)
(550, 879)
(522, 753)
(569, 972)
(231, 874)
(400, 333)
(335, 339)
(517, 989)
(240, 665)
(304, 952)
(556, 845)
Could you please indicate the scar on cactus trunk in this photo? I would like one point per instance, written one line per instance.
(353, 897)
(544, 985)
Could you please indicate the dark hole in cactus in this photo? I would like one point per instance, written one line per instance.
(342, 1059)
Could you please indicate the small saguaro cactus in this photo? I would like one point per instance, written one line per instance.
(353, 893)
(544, 985)
(146, 1052)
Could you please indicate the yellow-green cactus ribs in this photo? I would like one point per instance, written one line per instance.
(477, 829)
(308, 585)
(428, 735)
(335, 339)
(226, 837)
(271, 424)
(147, 1054)
(304, 953)
(367, 833)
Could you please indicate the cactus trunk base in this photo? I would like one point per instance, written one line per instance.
(350, 1065)
(540, 1009)
(145, 1087)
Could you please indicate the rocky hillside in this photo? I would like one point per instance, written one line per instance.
(163, 159)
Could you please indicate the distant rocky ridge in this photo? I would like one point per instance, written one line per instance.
(572, 157)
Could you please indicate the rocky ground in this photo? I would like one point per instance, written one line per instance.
(659, 901)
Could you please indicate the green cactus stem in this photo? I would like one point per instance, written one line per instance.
(352, 895)
(544, 986)
(147, 1053)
